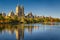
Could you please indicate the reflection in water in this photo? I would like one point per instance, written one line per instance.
(20, 33)
(20, 29)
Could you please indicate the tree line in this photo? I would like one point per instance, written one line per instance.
(16, 19)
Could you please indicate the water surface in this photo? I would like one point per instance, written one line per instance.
(29, 32)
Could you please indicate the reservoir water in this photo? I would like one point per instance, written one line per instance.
(29, 32)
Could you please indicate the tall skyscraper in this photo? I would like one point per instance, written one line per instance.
(19, 11)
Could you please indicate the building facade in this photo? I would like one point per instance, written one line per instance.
(19, 11)
(11, 13)
(30, 15)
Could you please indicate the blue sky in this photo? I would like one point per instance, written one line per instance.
(37, 7)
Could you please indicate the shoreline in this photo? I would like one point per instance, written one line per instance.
(29, 23)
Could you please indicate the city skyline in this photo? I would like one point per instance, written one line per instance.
(37, 7)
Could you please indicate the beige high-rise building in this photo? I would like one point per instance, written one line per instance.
(19, 11)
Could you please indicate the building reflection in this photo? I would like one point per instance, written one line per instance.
(11, 29)
(30, 30)
(18, 30)
(20, 33)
